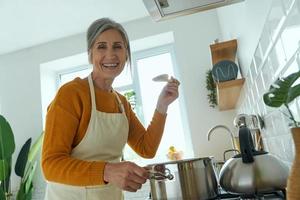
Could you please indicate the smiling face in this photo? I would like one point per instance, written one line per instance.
(108, 55)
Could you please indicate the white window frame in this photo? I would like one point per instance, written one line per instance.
(68, 71)
(168, 48)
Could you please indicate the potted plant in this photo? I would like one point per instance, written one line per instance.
(211, 88)
(283, 92)
(7, 148)
(25, 165)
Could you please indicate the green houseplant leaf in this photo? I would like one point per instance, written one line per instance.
(35, 148)
(26, 186)
(211, 88)
(7, 148)
(7, 142)
(32, 155)
(6, 182)
(279, 93)
(2, 194)
(282, 92)
(22, 158)
(131, 98)
(28, 181)
(23, 194)
(4, 169)
(293, 93)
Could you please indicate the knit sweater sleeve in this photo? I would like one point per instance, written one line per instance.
(145, 141)
(62, 121)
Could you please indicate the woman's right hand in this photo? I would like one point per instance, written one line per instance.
(125, 175)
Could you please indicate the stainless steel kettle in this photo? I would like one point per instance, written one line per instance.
(251, 171)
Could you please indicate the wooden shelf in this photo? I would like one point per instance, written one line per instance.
(223, 51)
(228, 93)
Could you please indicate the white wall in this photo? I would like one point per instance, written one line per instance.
(20, 78)
(20, 87)
(244, 22)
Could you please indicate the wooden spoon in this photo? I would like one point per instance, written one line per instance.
(161, 78)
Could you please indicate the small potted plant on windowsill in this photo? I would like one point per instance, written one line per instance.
(283, 92)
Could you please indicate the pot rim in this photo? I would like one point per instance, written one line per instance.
(181, 161)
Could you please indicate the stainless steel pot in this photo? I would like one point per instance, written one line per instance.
(184, 179)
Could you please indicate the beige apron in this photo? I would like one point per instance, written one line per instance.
(105, 139)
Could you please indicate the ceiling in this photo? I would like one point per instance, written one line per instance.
(28, 23)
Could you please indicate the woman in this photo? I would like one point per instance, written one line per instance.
(88, 124)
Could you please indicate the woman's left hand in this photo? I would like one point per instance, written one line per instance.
(168, 94)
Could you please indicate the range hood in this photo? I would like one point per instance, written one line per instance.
(165, 9)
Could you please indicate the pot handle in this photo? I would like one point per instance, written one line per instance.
(246, 145)
(160, 175)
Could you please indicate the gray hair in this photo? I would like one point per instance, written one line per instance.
(101, 25)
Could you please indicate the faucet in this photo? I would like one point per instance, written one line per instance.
(224, 127)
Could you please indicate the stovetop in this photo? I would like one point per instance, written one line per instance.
(273, 195)
(276, 195)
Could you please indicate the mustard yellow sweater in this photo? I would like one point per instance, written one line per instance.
(66, 123)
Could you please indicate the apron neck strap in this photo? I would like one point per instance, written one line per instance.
(92, 91)
(121, 106)
(93, 98)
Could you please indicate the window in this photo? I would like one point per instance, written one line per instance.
(148, 64)
(142, 93)
(68, 76)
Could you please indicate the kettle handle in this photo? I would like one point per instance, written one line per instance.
(246, 145)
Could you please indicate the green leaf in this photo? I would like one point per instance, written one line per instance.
(35, 148)
(29, 193)
(32, 156)
(28, 181)
(278, 93)
(293, 93)
(3, 169)
(2, 194)
(22, 159)
(21, 193)
(6, 182)
(212, 91)
(7, 141)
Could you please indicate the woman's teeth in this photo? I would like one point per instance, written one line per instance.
(110, 65)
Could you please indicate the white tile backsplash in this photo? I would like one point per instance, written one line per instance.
(277, 54)
(276, 18)
(258, 56)
(290, 31)
(287, 4)
(260, 84)
(288, 146)
(265, 39)
(267, 74)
